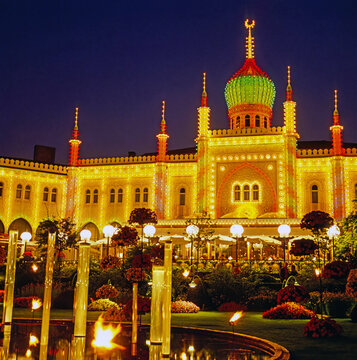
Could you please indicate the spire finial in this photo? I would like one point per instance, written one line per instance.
(204, 93)
(249, 39)
(336, 111)
(76, 119)
(163, 122)
(289, 90)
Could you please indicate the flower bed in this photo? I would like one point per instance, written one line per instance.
(25, 302)
(114, 313)
(326, 327)
(106, 292)
(231, 307)
(289, 310)
(184, 307)
(102, 305)
(336, 270)
(293, 293)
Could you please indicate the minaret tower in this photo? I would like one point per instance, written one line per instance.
(161, 168)
(337, 165)
(74, 143)
(202, 151)
(290, 136)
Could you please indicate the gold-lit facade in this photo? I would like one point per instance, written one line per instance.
(251, 173)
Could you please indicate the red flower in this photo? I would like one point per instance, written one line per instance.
(142, 216)
(326, 327)
(27, 254)
(184, 307)
(316, 221)
(142, 261)
(135, 274)
(125, 236)
(293, 293)
(302, 247)
(336, 270)
(144, 304)
(106, 292)
(289, 310)
(109, 262)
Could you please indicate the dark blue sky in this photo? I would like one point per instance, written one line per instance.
(117, 60)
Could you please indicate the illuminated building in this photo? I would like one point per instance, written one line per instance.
(252, 173)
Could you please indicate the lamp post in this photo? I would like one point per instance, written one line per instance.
(332, 233)
(237, 231)
(192, 231)
(25, 237)
(149, 231)
(108, 231)
(284, 232)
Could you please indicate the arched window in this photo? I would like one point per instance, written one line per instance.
(257, 121)
(255, 193)
(246, 193)
(238, 122)
(237, 193)
(146, 195)
(54, 195)
(314, 194)
(112, 195)
(182, 196)
(1, 188)
(247, 120)
(18, 191)
(120, 195)
(87, 196)
(27, 192)
(45, 194)
(265, 122)
(95, 196)
(137, 195)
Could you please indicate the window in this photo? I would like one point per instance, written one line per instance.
(247, 120)
(255, 193)
(182, 196)
(18, 191)
(45, 194)
(137, 195)
(95, 196)
(237, 193)
(54, 195)
(246, 192)
(265, 122)
(27, 192)
(238, 122)
(120, 195)
(87, 196)
(1, 188)
(146, 195)
(112, 195)
(314, 194)
(257, 121)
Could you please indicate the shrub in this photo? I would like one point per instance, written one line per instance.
(144, 304)
(184, 307)
(231, 307)
(114, 313)
(293, 293)
(261, 302)
(27, 254)
(337, 304)
(351, 286)
(336, 270)
(38, 290)
(135, 274)
(142, 261)
(25, 302)
(353, 314)
(102, 305)
(326, 327)
(288, 310)
(109, 262)
(303, 247)
(106, 292)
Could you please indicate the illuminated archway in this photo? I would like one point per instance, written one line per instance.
(2, 227)
(93, 229)
(21, 225)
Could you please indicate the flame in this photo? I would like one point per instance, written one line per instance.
(33, 340)
(36, 304)
(236, 317)
(104, 334)
(186, 273)
(28, 353)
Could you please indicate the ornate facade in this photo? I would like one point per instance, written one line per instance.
(252, 173)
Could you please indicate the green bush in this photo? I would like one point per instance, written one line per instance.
(102, 305)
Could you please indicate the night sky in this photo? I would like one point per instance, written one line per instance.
(117, 60)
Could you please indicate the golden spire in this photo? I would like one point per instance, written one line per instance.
(76, 119)
(289, 90)
(336, 111)
(249, 39)
(204, 93)
(163, 122)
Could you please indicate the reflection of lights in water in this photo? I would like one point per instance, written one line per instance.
(36, 304)
(28, 353)
(183, 356)
(33, 340)
(104, 334)
(236, 317)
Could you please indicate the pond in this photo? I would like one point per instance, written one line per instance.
(186, 344)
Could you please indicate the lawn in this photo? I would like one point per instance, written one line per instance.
(287, 333)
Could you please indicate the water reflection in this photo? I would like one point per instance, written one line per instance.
(186, 345)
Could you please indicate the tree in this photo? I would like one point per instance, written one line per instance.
(64, 228)
(346, 245)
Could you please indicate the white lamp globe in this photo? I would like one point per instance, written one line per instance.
(85, 235)
(333, 231)
(149, 230)
(108, 230)
(284, 230)
(192, 230)
(26, 236)
(237, 230)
